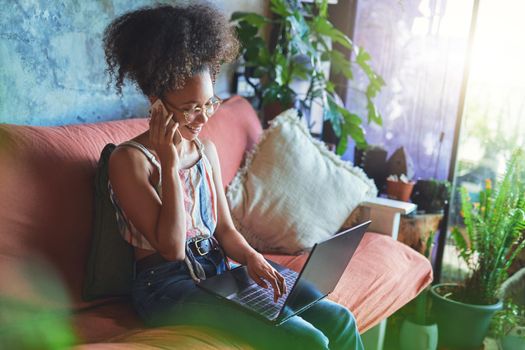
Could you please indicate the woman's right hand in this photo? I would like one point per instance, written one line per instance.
(162, 128)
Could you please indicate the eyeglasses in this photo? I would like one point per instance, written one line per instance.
(208, 109)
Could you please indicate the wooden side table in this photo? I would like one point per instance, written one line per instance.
(414, 230)
(386, 214)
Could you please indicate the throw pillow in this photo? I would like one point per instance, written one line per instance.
(292, 191)
(110, 263)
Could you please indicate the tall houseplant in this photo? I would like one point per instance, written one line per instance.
(508, 326)
(303, 45)
(493, 237)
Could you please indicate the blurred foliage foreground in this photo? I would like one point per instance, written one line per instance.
(35, 311)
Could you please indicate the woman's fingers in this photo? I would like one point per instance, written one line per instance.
(167, 119)
(171, 132)
(171, 126)
(161, 130)
(260, 271)
(270, 277)
(257, 279)
(167, 132)
(281, 281)
(163, 120)
(155, 125)
(161, 126)
(277, 293)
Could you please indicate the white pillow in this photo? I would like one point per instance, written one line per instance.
(292, 191)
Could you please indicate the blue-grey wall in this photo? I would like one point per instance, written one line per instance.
(52, 67)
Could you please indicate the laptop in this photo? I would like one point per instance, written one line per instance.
(320, 274)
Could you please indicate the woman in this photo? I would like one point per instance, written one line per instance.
(166, 185)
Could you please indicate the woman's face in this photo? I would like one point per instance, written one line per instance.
(197, 92)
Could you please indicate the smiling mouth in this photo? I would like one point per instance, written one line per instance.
(194, 130)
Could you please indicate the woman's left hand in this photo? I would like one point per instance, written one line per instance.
(259, 270)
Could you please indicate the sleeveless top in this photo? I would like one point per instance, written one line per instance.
(200, 200)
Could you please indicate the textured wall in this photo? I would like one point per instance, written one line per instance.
(52, 63)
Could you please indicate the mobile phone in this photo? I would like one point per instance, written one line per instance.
(165, 112)
(157, 104)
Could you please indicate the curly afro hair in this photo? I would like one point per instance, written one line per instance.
(160, 47)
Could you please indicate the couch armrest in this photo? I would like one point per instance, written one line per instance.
(385, 214)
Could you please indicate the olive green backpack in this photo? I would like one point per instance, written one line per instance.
(110, 263)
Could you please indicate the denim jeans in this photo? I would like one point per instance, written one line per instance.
(166, 295)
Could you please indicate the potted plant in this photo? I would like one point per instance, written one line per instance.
(420, 331)
(508, 326)
(301, 51)
(492, 238)
(399, 187)
(431, 195)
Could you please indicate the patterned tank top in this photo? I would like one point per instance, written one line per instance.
(200, 199)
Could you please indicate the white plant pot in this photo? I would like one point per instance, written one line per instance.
(514, 340)
(414, 336)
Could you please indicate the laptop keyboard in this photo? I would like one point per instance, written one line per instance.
(261, 299)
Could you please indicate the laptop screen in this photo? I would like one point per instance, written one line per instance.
(323, 269)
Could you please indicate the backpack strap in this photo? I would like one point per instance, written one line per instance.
(144, 150)
(148, 154)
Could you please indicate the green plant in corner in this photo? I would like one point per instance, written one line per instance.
(494, 233)
(508, 324)
(491, 239)
(303, 46)
(505, 320)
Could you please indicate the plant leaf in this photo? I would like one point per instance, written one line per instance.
(251, 18)
(341, 64)
(280, 7)
(323, 27)
(373, 114)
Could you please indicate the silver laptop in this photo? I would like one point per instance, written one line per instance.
(320, 274)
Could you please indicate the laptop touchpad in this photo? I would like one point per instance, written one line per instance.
(229, 283)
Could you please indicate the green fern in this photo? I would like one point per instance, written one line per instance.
(494, 232)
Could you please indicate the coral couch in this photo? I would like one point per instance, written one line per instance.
(46, 209)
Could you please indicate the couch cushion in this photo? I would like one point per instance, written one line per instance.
(292, 191)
